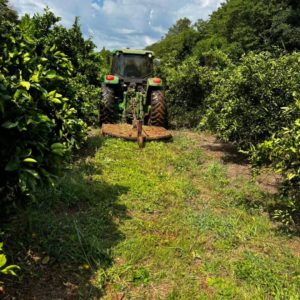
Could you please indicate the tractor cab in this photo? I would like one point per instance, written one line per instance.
(132, 65)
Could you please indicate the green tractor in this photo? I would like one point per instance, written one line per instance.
(130, 93)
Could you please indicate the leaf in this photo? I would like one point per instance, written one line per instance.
(52, 93)
(51, 74)
(56, 100)
(35, 174)
(10, 270)
(9, 125)
(58, 53)
(25, 84)
(57, 146)
(43, 118)
(60, 152)
(3, 260)
(45, 260)
(29, 160)
(26, 59)
(52, 48)
(35, 78)
(58, 149)
(291, 176)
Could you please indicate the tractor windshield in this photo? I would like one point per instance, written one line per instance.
(132, 65)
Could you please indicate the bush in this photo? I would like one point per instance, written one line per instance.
(245, 107)
(43, 108)
(85, 98)
(189, 84)
(257, 106)
(282, 151)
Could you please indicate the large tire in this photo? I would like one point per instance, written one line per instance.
(107, 107)
(158, 109)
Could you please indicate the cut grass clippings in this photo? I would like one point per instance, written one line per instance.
(165, 222)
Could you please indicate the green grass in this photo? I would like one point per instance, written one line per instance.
(165, 222)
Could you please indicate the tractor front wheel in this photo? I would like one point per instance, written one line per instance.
(158, 109)
(107, 107)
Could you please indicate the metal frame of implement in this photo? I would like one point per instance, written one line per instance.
(136, 132)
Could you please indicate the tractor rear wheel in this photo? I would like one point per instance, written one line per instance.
(158, 109)
(107, 106)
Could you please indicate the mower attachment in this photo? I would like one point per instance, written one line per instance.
(136, 132)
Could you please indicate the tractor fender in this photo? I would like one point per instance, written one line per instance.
(115, 80)
(152, 85)
(153, 82)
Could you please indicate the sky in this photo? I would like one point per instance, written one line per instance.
(122, 23)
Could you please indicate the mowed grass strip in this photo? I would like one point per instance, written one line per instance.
(164, 222)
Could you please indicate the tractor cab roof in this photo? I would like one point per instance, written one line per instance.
(133, 51)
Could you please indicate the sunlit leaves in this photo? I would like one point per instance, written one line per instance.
(25, 84)
(38, 124)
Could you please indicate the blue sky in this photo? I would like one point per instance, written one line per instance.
(122, 23)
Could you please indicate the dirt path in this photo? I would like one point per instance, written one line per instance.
(236, 163)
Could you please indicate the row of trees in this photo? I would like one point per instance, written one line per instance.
(50, 92)
(49, 95)
(237, 27)
(238, 75)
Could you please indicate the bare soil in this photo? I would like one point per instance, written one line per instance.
(235, 162)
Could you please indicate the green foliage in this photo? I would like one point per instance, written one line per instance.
(82, 87)
(4, 268)
(246, 106)
(178, 42)
(48, 78)
(235, 74)
(6, 13)
(256, 105)
(180, 99)
(189, 84)
(237, 27)
(282, 152)
(85, 98)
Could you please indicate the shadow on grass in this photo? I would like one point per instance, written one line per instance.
(286, 213)
(94, 142)
(62, 239)
(230, 153)
(279, 209)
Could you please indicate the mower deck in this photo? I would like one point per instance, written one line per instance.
(129, 132)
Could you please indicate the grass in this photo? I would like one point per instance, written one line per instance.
(162, 223)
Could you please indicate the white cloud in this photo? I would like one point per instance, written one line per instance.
(28, 6)
(126, 31)
(149, 40)
(122, 23)
(197, 9)
(96, 6)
